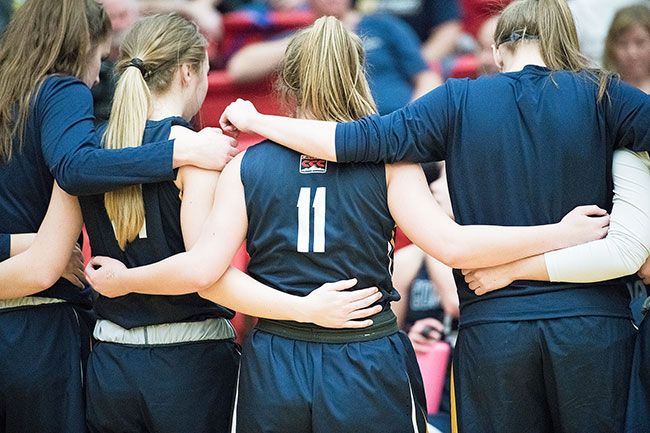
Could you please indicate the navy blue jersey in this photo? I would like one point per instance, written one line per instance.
(60, 144)
(160, 238)
(311, 222)
(522, 148)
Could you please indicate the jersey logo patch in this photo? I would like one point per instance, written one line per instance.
(309, 165)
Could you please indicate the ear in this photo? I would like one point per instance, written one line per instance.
(496, 55)
(186, 74)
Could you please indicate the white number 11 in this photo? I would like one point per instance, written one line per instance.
(304, 220)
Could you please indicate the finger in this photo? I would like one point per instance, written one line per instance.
(365, 302)
(592, 210)
(360, 294)
(433, 323)
(357, 323)
(469, 278)
(341, 285)
(646, 280)
(79, 273)
(474, 285)
(422, 348)
(465, 271)
(97, 261)
(233, 151)
(417, 337)
(366, 312)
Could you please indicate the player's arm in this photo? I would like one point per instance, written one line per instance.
(222, 234)
(45, 260)
(621, 253)
(424, 222)
(200, 267)
(71, 148)
(415, 133)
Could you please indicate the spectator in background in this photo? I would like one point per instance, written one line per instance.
(436, 22)
(396, 71)
(203, 12)
(484, 43)
(592, 19)
(627, 47)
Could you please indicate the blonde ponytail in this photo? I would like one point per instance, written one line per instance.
(323, 73)
(150, 55)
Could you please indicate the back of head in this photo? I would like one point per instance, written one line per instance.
(44, 37)
(150, 57)
(551, 23)
(624, 19)
(322, 74)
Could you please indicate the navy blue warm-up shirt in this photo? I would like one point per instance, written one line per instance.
(60, 143)
(160, 238)
(311, 222)
(522, 148)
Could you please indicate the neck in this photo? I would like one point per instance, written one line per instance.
(167, 105)
(527, 53)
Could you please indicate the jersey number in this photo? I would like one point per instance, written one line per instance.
(304, 214)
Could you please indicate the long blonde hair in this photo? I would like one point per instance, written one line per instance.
(623, 20)
(323, 73)
(551, 23)
(150, 55)
(44, 37)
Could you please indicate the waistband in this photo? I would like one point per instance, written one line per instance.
(164, 333)
(384, 324)
(27, 301)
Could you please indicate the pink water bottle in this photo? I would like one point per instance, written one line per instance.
(433, 366)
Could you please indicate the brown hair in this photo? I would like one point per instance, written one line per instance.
(323, 73)
(623, 20)
(44, 37)
(551, 23)
(151, 53)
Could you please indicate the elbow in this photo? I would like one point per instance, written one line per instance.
(202, 279)
(43, 278)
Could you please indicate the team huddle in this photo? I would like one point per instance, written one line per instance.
(549, 177)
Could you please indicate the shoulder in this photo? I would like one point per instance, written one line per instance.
(63, 84)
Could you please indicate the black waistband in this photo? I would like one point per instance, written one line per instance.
(384, 324)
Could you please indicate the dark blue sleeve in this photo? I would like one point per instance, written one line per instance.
(5, 246)
(629, 115)
(416, 133)
(71, 148)
(405, 47)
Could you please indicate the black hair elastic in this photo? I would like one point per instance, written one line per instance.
(517, 36)
(138, 63)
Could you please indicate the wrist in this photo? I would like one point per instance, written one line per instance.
(300, 309)
(181, 153)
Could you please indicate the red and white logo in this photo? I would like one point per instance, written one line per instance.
(309, 165)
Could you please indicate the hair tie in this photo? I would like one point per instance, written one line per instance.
(138, 63)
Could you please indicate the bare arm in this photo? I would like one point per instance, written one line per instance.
(621, 253)
(200, 267)
(45, 260)
(257, 61)
(425, 223)
(309, 137)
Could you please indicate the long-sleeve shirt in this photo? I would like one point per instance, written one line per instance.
(522, 148)
(627, 244)
(60, 143)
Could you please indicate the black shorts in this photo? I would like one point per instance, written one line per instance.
(186, 388)
(543, 376)
(41, 364)
(293, 386)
